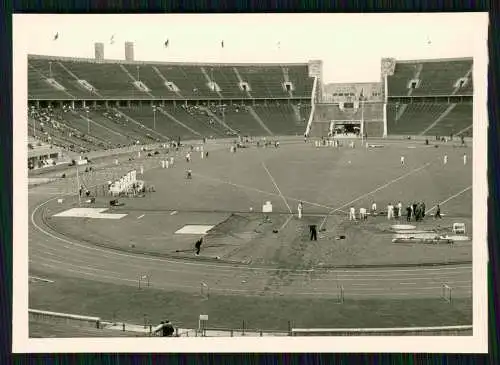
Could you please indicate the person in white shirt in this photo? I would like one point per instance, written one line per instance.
(402, 160)
(352, 214)
(171, 161)
(188, 157)
(299, 210)
(465, 159)
(445, 159)
(400, 210)
(142, 170)
(374, 208)
(162, 164)
(362, 214)
(390, 211)
(167, 164)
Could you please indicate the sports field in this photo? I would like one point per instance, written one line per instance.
(250, 263)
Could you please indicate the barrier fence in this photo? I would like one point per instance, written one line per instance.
(147, 329)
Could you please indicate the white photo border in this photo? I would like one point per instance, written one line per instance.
(477, 343)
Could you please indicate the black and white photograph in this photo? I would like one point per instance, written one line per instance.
(233, 182)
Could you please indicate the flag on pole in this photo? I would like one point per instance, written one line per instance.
(222, 44)
(56, 36)
(112, 40)
(166, 43)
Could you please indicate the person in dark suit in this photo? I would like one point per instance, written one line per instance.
(197, 245)
(438, 212)
(313, 231)
(408, 213)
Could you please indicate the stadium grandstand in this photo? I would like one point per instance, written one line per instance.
(84, 105)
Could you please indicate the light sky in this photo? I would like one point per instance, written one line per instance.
(350, 45)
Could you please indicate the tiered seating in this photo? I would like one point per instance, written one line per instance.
(152, 80)
(280, 119)
(438, 78)
(398, 83)
(40, 89)
(415, 119)
(56, 71)
(456, 121)
(49, 127)
(241, 120)
(112, 81)
(198, 118)
(227, 78)
(109, 79)
(299, 77)
(266, 82)
(164, 125)
(189, 79)
(74, 119)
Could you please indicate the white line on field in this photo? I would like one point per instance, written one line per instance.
(374, 191)
(261, 191)
(450, 198)
(41, 279)
(139, 217)
(276, 186)
(174, 212)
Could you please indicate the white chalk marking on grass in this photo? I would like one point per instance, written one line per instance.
(174, 212)
(450, 198)
(261, 191)
(40, 279)
(407, 283)
(276, 186)
(286, 222)
(374, 191)
(139, 217)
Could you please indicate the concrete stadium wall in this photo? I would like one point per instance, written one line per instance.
(55, 317)
(410, 331)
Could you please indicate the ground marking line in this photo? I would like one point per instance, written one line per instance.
(231, 290)
(342, 277)
(276, 186)
(374, 191)
(39, 278)
(450, 198)
(139, 217)
(262, 191)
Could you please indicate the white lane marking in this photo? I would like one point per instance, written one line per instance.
(139, 217)
(374, 191)
(40, 279)
(450, 198)
(277, 187)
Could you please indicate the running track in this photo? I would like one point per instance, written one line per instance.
(52, 253)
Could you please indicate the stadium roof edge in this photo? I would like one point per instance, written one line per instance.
(436, 60)
(93, 60)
